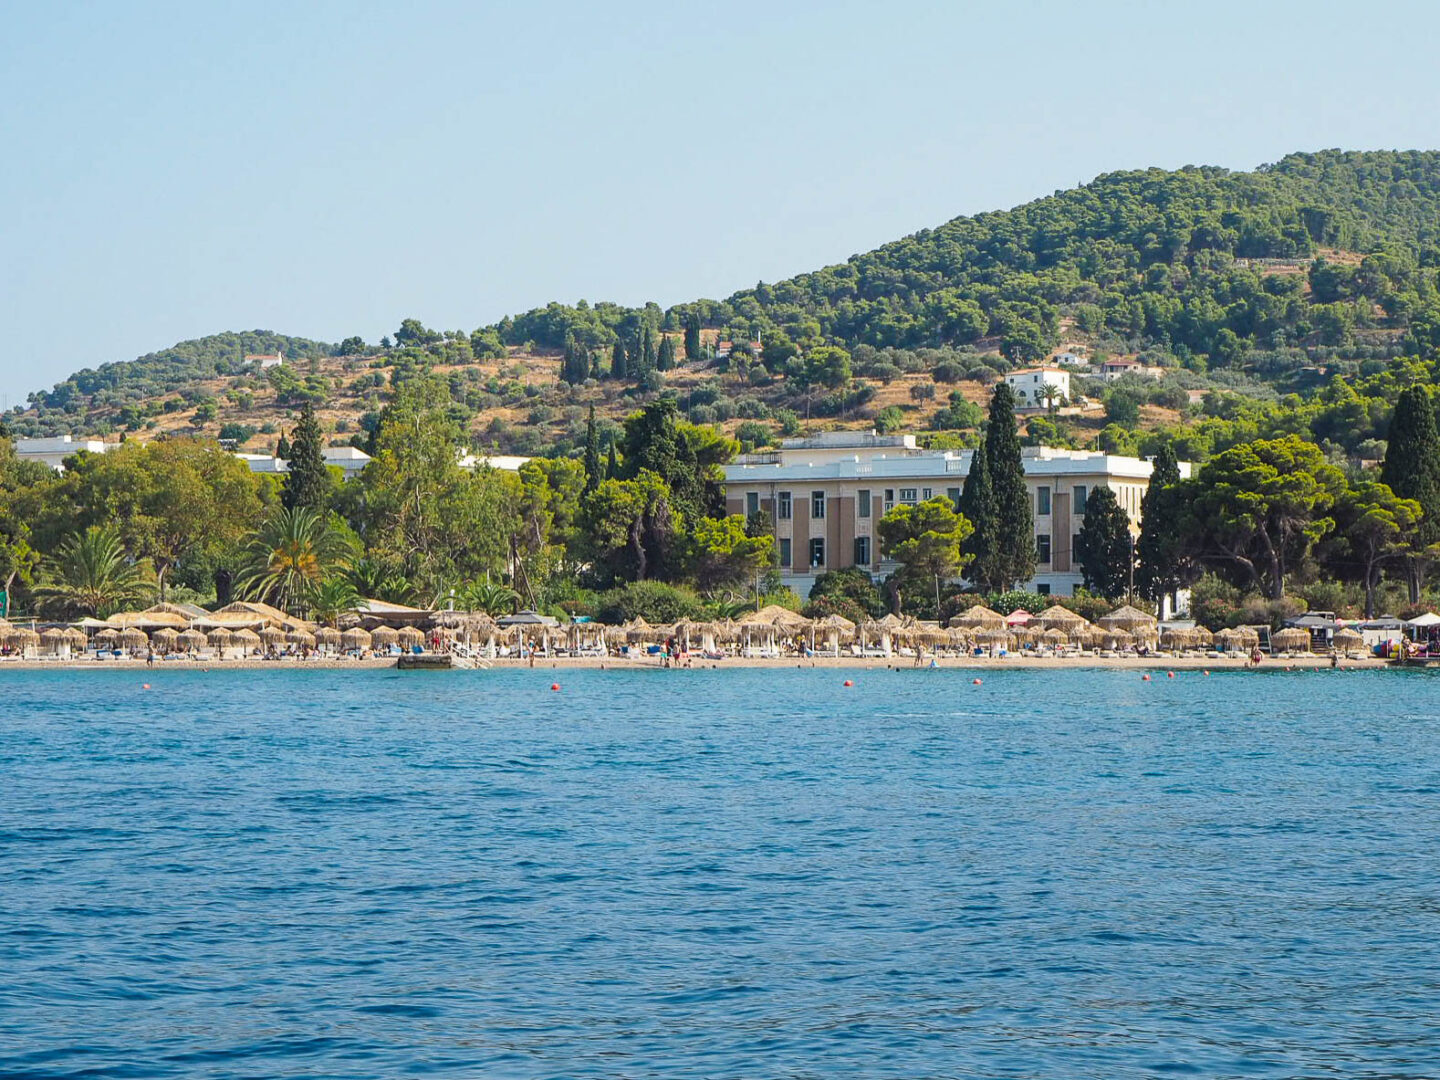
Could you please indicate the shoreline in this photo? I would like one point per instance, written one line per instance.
(592, 663)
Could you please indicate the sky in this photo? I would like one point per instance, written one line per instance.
(324, 168)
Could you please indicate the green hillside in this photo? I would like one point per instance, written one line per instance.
(1244, 286)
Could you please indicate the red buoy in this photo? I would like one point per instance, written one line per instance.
(849, 683)
(145, 686)
(1169, 674)
(554, 686)
(975, 681)
(1144, 678)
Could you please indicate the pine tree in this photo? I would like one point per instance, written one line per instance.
(593, 475)
(1102, 546)
(307, 483)
(666, 358)
(977, 504)
(1160, 549)
(692, 336)
(619, 367)
(1411, 470)
(1014, 533)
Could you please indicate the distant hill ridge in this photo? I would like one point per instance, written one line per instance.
(1233, 278)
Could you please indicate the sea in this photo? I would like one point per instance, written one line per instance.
(719, 873)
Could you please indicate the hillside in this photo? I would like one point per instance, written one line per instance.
(1234, 289)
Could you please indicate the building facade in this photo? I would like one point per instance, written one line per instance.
(826, 494)
(1029, 386)
(53, 452)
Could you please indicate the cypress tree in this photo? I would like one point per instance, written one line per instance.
(282, 448)
(1102, 547)
(1160, 549)
(692, 336)
(1411, 470)
(612, 467)
(595, 372)
(1014, 533)
(666, 359)
(307, 483)
(977, 504)
(593, 475)
(619, 367)
(647, 353)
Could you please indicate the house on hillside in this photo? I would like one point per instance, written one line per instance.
(1029, 386)
(266, 360)
(53, 452)
(1111, 370)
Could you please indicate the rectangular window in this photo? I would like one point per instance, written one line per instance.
(1042, 499)
(889, 500)
(862, 502)
(954, 494)
(785, 551)
(907, 495)
(862, 551)
(1042, 547)
(752, 503)
(817, 504)
(1080, 498)
(817, 552)
(782, 506)
(1042, 589)
(926, 494)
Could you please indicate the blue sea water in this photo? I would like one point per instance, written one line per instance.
(705, 873)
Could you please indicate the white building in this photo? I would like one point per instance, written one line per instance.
(503, 462)
(266, 360)
(825, 502)
(53, 452)
(349, 459)
(1029, 385)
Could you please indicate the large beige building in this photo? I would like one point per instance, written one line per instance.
(826, 493)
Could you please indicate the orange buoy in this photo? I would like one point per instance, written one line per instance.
(1207, 671)
(554, 686)
(145, 686)
(1169, 674)
(975, 681)
(1144, 678)
(849, 683)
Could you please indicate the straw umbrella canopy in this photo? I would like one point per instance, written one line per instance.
(1347, 640)
(1127, 618)
(245, 638)
(108, 636)
(54, 638)
(979, 617)
(133, 638)
(220, 638)
(1055, 636)
(1291, 639)
(327, 635)
(192, 639)
(355, 638)
(961, 637)
(1055, 615)
(1177, 638)
(166, 636)
(271, 636)
(303, 638)
(22, 638)
(410, 636)
(382, 637)
(1237, 638)
(76, 637)
(992, 635)
(1112, 637)
(637, 630)
(1203, 637)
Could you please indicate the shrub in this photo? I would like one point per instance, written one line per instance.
(891, 418)
(653, 601)
(752, 433)
(922, 391)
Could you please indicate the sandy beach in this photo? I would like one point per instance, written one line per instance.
(559, 663)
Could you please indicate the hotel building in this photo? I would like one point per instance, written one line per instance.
(826, 493)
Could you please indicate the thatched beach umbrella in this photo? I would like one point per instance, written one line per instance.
(76, 637)
(54, 640)
(834, 630)
(133, 638)
(1236, 639)
(1127, 618)
(303, 638)
(22, 639)
(1057, 616)
(167, 638)
(409, 637)
(193, 639)
(272, 637)
(1346, 640)
(382, 637)
(1113, 637)
(1291, 639)
(109, 637)
(245, 638)
(1203, 637)
(1055, 636)
(220, 638)
(327, 636)
(1177, 638)
(355, 638)
(979, 617)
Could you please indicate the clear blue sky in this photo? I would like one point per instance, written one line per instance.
(322, 168)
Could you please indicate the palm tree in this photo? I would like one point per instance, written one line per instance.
(1052, 396)
(374, 580)
(92, 575)
(332, 598)
(490, 597)
(289, 557)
